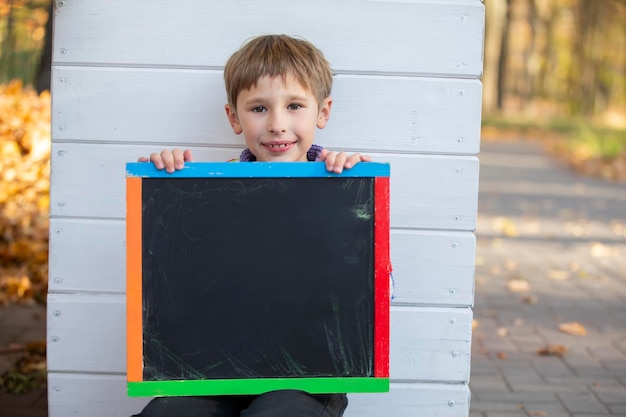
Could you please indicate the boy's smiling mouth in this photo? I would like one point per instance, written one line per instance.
(279, 147)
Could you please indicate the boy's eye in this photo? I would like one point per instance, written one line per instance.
(294, 106)
(258, 109)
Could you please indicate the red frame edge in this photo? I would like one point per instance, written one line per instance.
(382, 269)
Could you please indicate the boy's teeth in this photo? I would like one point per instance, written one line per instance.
(282, 145)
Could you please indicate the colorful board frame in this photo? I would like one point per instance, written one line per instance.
(378, 381)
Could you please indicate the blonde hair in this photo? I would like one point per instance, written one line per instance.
(277, 55)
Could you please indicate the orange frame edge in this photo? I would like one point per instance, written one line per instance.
(134, 325)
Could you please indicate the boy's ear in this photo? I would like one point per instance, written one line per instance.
(324, 113)
(233, 119)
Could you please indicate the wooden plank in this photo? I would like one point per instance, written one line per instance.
(429, 267)
(90, 395)
(432, 267)
(430, 344)
(105, 396)
(433, 192)
(187, 106)
(86, 333)
(427, 192)
(87, 255)
(411, 400)
(422, 37)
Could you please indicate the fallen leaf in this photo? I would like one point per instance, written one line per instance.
(505, 226)
(558, 274)
(24, 192)
(518, 285)
(573, 328)
(537, 413)
(28, 372)
(502, 356)
(530, 299)
(510, 265)
(553, 350)
(474, 324)
(502, 331)
(599, 250)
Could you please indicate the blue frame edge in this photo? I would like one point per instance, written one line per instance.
(256, 170)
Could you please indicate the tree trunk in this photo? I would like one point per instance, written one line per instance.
(42, 79)
(504, 51)
(495, 13)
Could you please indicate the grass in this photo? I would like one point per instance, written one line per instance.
(575, 136)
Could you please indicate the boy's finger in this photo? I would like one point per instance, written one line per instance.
(179, 158)
(355, 159)
(330, 161)
(340, 162)
(187, 156)
(168, 160)
(156, 160)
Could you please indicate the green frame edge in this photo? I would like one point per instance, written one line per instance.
(255, 386)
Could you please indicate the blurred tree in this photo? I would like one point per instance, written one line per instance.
(556, 57)
(42, 79)
(495, 25)
(22, 33)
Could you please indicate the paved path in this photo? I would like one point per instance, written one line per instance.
(561, 239)
(551, 249)
(20, 325)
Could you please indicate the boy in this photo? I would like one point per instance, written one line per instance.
(278, 92)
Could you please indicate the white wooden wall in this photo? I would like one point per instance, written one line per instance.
(132, 77)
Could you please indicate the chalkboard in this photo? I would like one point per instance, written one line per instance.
(257, 276)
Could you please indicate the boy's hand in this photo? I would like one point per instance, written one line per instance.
(336, 162)
(170, 160)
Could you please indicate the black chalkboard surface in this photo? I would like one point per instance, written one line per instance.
(257, 278)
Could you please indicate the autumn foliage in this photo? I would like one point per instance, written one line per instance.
(24, 192)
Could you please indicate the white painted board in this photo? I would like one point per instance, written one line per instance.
(105, 396)
(417, 37)
(433, 268)
(427, 344)
(427, 192)
(167, 106)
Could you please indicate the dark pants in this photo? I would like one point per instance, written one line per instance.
(284, 403)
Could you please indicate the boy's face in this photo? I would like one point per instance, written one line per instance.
(278, 119)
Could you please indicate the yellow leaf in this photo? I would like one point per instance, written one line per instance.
(505, 226)
(573, 328)
(558, 274)
(510, 265)
(518, 285)
(553, 350)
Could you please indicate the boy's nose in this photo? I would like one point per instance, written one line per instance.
(276, 123)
